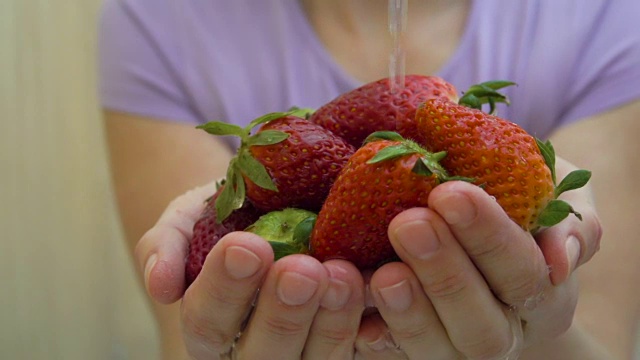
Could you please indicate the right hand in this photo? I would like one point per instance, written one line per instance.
(302, 306)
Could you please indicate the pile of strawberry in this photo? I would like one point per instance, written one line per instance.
(328, 182)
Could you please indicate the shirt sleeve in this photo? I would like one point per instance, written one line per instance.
(608, 72)
(137, 74)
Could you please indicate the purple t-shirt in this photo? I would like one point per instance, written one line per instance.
(193, 61)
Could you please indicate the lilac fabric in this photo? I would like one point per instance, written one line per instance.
(198, 60)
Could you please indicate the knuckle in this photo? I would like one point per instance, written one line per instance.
(416, 333)
(283, 327)
(447, 285)
(490, 245)
(226, 297)
(490, 346)
(204, 333)
(335, 335)
(520, 289)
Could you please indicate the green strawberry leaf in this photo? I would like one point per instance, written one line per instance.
(254, 170)
(549, 155)
(238, 182)
(492, 106)
(391, 152)
(429, 164)
(282, 249)
(383, 135)
(223, 203)
(471, 101)
(485, 93)
(302, 231)
(266, 118)
(497, 84)
(304, 113)
(222, 128)
(421, 168)
(555, 212)
(575, 180)
(230, 198)
(267, 137)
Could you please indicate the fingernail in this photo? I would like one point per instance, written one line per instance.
(151, 262)
(418, 238)
(456, 209)
(240, 262)
(397, 297)
(573, 252)
(337, 295)
(295, 289)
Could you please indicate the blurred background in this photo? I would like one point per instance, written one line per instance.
(67, 288)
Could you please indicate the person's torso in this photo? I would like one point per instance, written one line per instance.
(239, 59)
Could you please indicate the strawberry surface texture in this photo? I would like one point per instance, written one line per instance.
(353, 222)
(377, 106)
(499, 155)
(207, 231)
(346, 170)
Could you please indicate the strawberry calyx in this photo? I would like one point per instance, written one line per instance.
(427, 164)
(287, 231)
(557, 210)
(243, 163)
(486, 93)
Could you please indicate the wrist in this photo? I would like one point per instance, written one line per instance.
(573, 344)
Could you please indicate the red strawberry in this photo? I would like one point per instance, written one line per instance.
(510, 164)
(377, 107)
(381, 179)
(207, 231)
(289, 162)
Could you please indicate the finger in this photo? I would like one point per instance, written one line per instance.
(336, 324)
(161, 251)
(572, 242)
(452, 283)
(220, 298)
(408, 313)
(287, 304)
(507, 256)
(554, 313)
(375, 342)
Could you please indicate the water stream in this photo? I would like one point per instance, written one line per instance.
(397, 28)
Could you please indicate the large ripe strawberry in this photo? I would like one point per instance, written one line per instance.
(207, 231)
(288, 162)
(511, 165)
(384, 177)
(376, 106)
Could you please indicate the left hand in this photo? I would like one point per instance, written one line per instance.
(472, 284)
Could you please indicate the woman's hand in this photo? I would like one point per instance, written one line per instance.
(469, 277)
(473, 284)
(302, 305)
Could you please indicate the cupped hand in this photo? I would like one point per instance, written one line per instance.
(244, 301)
(473, 284)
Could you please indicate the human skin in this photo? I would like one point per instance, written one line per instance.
(606, 314)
